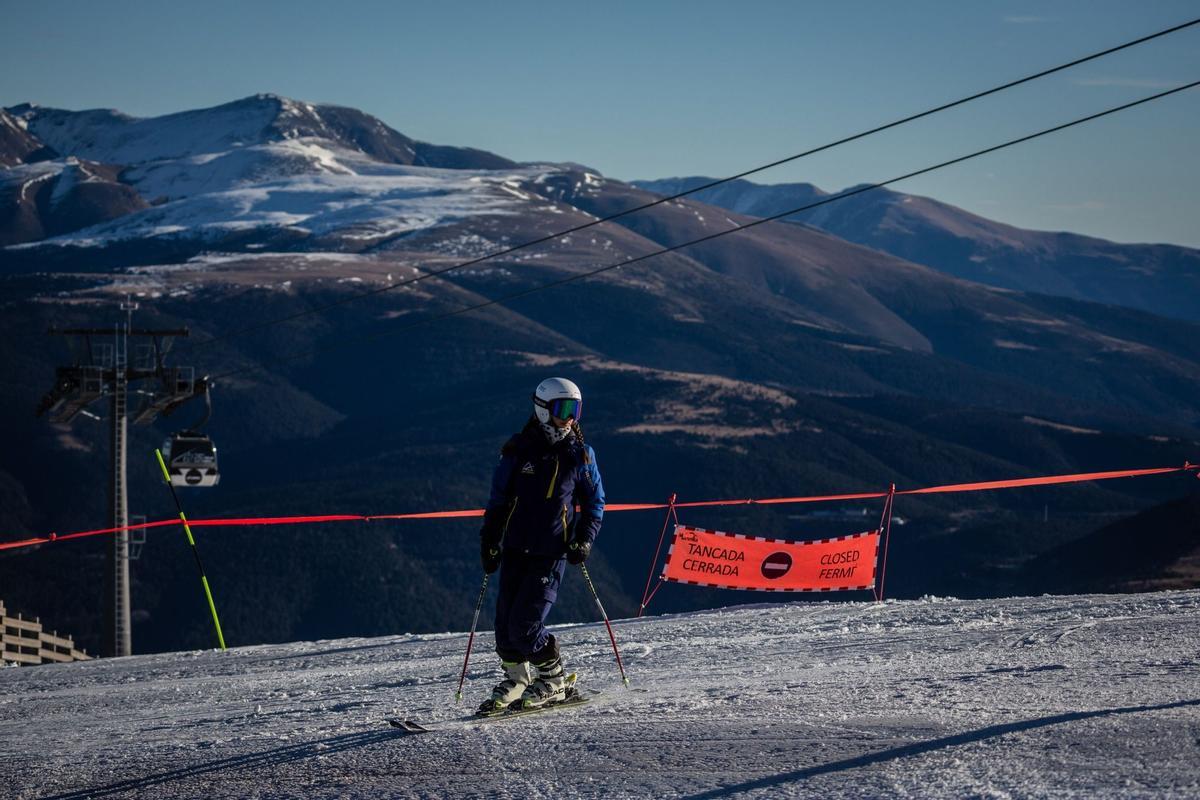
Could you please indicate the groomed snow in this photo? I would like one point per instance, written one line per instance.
(1083, 697)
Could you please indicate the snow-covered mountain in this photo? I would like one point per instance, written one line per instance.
(1087, 696)
(111, 136)
(369, 206)
(257, 168)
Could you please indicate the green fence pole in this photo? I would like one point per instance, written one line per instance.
(195, 551)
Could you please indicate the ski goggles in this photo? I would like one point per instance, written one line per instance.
(563, 408)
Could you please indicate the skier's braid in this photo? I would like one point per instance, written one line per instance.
(578, 432)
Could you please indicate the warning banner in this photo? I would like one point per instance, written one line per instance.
(734, 561)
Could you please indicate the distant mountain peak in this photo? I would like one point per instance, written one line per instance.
(20, 110)
(113, 137)
(17, 144)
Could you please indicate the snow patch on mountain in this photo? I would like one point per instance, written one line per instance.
(356, 207)
(214, 172)
(74, 172)
(25, 177)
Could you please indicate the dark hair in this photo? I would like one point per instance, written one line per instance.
(578, 431)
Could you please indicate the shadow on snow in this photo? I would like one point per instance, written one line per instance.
(920, 748)
(345, 742)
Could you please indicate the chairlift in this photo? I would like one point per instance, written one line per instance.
(191, 459)
(191, 456)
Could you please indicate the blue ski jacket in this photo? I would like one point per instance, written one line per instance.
(535, 489)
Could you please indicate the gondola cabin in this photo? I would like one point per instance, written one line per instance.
(191, 459)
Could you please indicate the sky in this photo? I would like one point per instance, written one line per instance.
(641, 90)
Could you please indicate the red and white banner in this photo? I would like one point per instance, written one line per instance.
(735, 561)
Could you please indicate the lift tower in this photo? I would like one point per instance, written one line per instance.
(102, 368)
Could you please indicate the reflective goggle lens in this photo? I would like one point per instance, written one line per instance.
(567, 408)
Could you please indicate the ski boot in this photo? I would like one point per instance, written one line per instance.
(517, 676)
(550, 686)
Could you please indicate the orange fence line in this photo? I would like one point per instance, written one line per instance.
(1013, 484)
(478, 512)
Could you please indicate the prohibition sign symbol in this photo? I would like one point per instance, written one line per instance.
(776, 565)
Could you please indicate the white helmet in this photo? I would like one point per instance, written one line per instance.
(560, 398)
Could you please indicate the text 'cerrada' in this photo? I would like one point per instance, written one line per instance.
(735, 561)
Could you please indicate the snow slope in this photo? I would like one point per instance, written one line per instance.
(333, 176)
(112, 137)
(1092, 696)
(365, 207)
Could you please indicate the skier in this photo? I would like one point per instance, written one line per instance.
(530, 532)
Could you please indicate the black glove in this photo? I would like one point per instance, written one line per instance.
(489, 556)
(578, 551)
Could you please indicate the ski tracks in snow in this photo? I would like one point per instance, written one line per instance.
(935, 698)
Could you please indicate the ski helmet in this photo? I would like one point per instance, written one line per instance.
(558, 398)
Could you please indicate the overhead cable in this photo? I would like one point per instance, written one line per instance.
(745, 226)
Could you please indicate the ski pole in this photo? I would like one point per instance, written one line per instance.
(611, 638)
(471, 638)
(195, 551)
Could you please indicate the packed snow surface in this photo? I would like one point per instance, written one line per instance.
(1094, 696)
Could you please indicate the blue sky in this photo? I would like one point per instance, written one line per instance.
(656, 89)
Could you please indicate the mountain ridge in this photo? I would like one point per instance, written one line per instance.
(1161, 278)
(112, 136)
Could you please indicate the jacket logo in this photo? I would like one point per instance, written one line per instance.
(527, 469)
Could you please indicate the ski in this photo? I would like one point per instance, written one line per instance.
(576, 699)
(414, 726)
(408, 725)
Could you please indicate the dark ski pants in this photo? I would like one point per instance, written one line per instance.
(528, 588)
